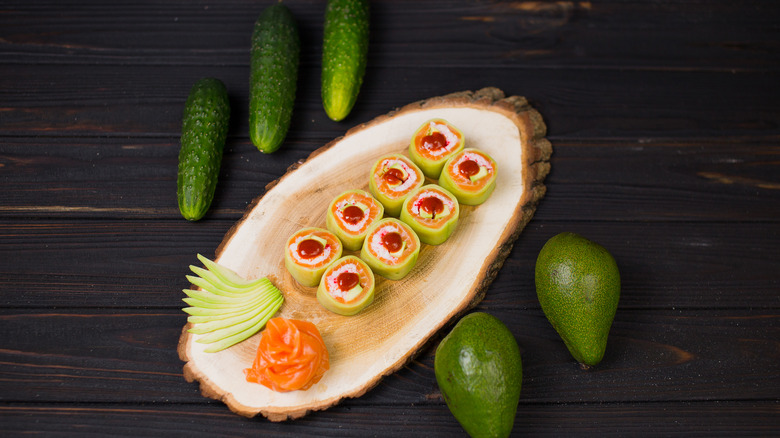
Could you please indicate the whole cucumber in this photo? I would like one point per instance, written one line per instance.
(275, 57)
(203, 133)
(344, 55)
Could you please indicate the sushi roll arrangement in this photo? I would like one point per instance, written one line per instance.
(310, 251)
(433, 143)
(347, 286)
(470, 175)
(349, 216)
(432, 212)
(391, 248)
(352, 227)
(391, 180)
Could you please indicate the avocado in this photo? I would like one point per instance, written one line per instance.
(353, 293)
(483, 172)
(578, 286)
(480, 372)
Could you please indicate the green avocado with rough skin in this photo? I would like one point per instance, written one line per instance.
(578, 286)
(479, 371)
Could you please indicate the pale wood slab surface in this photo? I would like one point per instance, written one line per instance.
(447, 280)
(665, 117)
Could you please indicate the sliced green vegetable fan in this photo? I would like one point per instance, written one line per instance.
(227, 308)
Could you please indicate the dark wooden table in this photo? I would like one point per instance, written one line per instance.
(664, 118)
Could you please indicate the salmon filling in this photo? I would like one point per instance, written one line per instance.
(431, 207)
(355, 212)
(437, 140)
(312, 249)
(342, 279)
(471, 170)
(391, 244)
(396, 176)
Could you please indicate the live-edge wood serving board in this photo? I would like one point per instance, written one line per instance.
(447, 279)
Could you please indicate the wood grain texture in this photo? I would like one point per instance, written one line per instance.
(65, 102)
(445, 282)
(581, 419)
(653, 356)
(665, 120)
(541, 34)
(665, 265)
(602, 180)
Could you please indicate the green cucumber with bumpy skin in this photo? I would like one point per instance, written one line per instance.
(344, 55)
(275, 55)
(203, 133)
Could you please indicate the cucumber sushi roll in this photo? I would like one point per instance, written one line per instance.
(391, 248)
(433, 143)
(391, 180)
(349, 216)
(347, 286)
(470, 175)
(432, 212)
(309, 251)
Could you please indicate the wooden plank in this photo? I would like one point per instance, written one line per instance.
(127, 355)
(730, 418)
(680, 265)
(135, 177)
(146, 101)
(590, 180)
(664, 120)
(605, 34)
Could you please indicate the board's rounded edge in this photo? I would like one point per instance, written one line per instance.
(537, 150)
